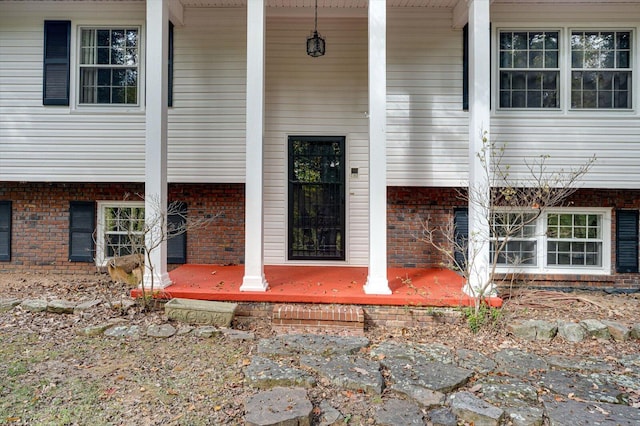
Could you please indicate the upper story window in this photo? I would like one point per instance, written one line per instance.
(109, 66)
(539, 69)
(601, 69)
(529, 69)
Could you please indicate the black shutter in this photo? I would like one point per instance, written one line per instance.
(5, 230)
(461, 236)
(177, 244)
(627, 241)
(55, 84)
(82, 222)
(170, 73)
(465, 67)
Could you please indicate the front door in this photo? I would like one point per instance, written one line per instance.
(316, 198)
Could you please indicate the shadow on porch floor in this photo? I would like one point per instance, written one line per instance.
(321, 284)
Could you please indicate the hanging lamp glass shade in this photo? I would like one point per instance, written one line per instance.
(315, 45)
(315, 42)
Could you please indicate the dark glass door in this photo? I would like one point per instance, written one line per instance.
(316, 198)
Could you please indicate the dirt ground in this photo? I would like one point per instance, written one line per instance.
(49, 374)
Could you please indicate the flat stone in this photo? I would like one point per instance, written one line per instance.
(470, 408)
(578, 364)
(61, 307)
(34, 305)
(534, 330)
(525, 416)
(238, 334)
(632, 360)
(8, 304)
(435, 376)
(94, 330)
(508, 391)
(424, 397)
(279, 407)
(85, 306)
(184, 329)
(206, 331)
(591, 388)
(264, 373)
(596, 329)
(161, 330)
(443, 417)
(635, 331)
(203, 312)
(515, 362)
(123, 331)
(619, 332)
(348, 372)
(324, 345)
(415, 353)
(395, 412)
(575, 413)
(473, 360)
(572, 332)
(329, 416)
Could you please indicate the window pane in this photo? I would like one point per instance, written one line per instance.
(529, 52)
(623, 60)
(506, 60)
(103, 38)
(520, 41)
(605, 52)
(551, 59)
(505, 41)
(520, 59)
(108, 50)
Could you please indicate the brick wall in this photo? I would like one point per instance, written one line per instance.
(408, 206)
(407, 209)
(40, 222)
(40, 230)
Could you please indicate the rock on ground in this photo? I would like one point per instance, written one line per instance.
(279, 406)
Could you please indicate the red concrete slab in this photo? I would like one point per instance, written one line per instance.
(321, 284)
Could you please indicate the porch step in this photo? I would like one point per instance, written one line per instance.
(341, 320)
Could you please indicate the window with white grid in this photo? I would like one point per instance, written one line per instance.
(574, 239)
(514, 238)
(120, 229)
(601, 63)
(529, 69)
(108, 71)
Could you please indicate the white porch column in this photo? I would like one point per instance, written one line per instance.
(377, 282)
(479, 129)
(254, 279)
(155, 188)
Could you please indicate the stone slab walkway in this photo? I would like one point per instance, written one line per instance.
(413, 383)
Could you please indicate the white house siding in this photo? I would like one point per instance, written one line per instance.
(55, 143)
(207, 121)
(316, 96)
(570, 138)
(426, 126)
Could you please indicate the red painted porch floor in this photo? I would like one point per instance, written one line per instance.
(321, 284)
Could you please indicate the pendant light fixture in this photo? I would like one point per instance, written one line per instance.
(315, 42)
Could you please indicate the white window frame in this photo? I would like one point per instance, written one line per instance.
(631, 68)
(74, 86)
(541, 244)
(557, 69)
(565, 71)
(534, 238)
(101, 256)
